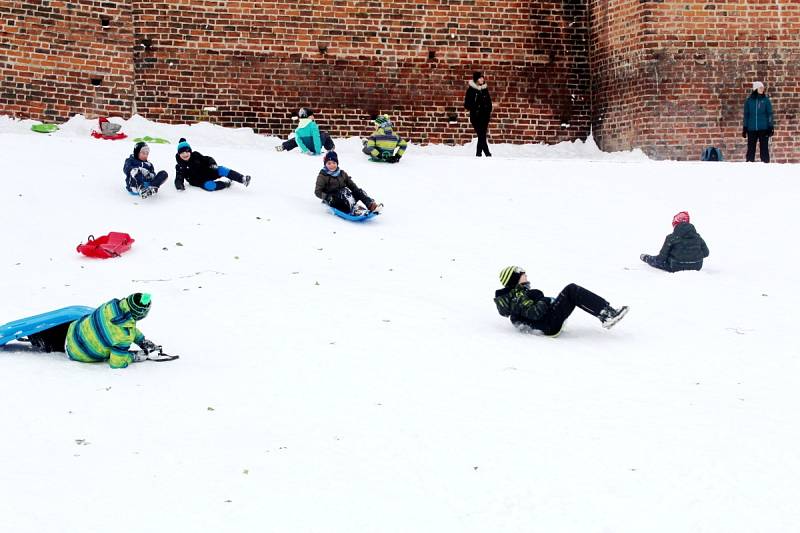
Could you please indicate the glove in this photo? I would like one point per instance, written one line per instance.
(328, 199)
(135, 171)
(179, 185)
(744, 132)
(770, 132)
(214, 167)
(393, 159)
(148, 346)
(139, 356)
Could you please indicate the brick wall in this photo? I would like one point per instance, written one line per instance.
(62, 58)
(671, 76)
(257, 62)
(664, 75)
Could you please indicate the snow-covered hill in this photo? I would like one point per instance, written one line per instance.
(341, 377)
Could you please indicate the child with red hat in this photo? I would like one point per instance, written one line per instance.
(683, 249)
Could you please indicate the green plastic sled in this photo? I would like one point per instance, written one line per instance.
(148, 139)
(44, 128)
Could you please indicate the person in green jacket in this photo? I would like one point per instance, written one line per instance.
(530, 310)
(683, 249)
(307, 136)
(107, 333)
(384, 145)
(757, 123)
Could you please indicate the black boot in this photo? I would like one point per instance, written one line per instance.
(235, 176)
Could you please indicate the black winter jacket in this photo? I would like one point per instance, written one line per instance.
(523, 305)
(197, 170)
(684, 248)
(479, 102)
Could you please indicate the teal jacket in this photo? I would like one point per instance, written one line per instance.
(307, 136)
(757, 112)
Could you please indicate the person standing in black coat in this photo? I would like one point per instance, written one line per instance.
(479, 103)
(683, 249)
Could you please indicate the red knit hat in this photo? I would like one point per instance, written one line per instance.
(680, 218)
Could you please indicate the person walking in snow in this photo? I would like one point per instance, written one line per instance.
(530, 309)
(202, 170)
(683, 249)
(104, 335)
(140, 174)
(479, 103)
(307, 135)
(384, 145)
(335, 188)
(757, 125)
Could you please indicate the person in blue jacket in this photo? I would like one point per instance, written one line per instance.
(307, 136)
(757, 125)
(140, 174)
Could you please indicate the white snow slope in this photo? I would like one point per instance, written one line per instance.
(343, 377)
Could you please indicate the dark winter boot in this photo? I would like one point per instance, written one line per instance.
(610, 316)
(235, 176)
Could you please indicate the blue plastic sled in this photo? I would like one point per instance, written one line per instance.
(35, 324)
(354, 218)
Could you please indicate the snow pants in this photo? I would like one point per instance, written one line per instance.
(568, 299)
(344, 199)
(670, 265)
(50, 340)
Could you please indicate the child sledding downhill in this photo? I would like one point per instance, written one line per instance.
(384, 145)
(105, 334)
(140, 174)
(335, 188)
(529, 309)
(683, 249)
(202, 171)
(307, 136)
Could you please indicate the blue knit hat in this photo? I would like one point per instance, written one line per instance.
(331, 156)
(183, 146)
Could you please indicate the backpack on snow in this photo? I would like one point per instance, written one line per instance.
(711, 154)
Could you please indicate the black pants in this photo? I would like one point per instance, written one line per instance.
(762, 139)
(344, 199)
(324, 138)
(50, 340)
(481, 129)
(670, 265)
(568, 299)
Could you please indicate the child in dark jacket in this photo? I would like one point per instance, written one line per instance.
(683, 249)
(530, 309)
(202, 171)
(140, 174)
(336, 188)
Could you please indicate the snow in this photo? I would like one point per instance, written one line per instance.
(343, 377)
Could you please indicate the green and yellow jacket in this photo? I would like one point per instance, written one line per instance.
(522, 304)
(104, 335)
(382, 144)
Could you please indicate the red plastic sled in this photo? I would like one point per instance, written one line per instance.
(108, 130)
(112, 245)
(115, 137)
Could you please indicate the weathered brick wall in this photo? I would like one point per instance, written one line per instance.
(51, 51)
(257, 62)
(671, 76)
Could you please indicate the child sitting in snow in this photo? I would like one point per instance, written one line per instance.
(202, 171)
(683, 249)
(307, 135)
(384, 145)
(140, 175)
(338, 190)
(529, 309)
